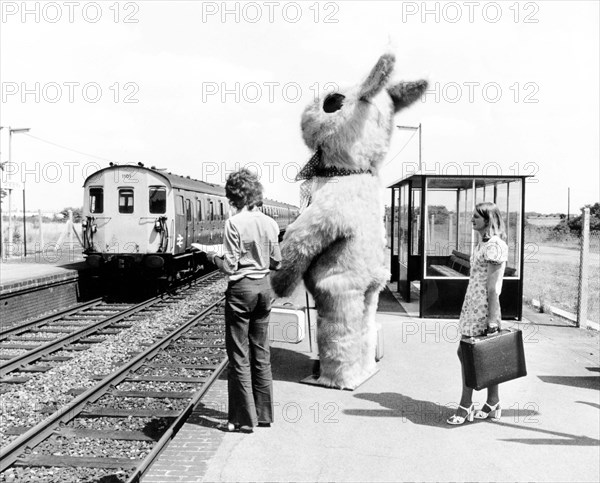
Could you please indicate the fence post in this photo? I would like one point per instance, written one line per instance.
(431, 229)
(70, 230)
(41, 230)
(450, 227)
(582, 293)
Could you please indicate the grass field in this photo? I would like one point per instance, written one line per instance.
(551, 275)
(42, 240)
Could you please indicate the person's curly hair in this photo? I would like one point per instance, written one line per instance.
(244, 189)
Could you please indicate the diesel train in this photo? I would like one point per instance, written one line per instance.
(143, 221)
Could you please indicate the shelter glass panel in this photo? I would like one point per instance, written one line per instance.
(96, 200)
(394, 235)
(442, 258)
(465, 212)
(416, 222)
(506, 194)
(513, 222)
(403, 225)
(158, 199)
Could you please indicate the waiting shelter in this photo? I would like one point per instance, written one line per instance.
(432, 239)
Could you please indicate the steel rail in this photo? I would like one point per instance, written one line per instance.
(46, 319)
(10, 453)
(56, 344)
(172, 430)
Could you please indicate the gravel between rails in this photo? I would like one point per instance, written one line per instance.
(64, 475)
(151, 426)
(51, 388)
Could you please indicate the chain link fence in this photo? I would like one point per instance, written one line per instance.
(552, 272)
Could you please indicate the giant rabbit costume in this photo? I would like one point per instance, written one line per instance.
(337, 244)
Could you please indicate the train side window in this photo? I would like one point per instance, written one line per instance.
(158, 199)
(199, 209)
(179, 205)
(188, 211)
(211, 210)
(125, 200)
(96, 200)
(222, 210)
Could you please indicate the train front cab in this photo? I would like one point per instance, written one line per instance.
(126, 225)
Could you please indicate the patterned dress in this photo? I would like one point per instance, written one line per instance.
(474, 313)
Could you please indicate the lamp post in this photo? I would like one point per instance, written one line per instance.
(10, 187)
(415, 128)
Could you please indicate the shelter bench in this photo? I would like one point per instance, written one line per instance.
(458, 265)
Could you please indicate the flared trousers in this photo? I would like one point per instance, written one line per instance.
(250, 381)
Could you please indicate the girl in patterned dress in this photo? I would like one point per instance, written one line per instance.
(481, 309)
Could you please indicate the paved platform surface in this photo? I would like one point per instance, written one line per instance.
(392, 428)
(19, 274)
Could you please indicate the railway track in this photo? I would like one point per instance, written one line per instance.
(158, 386)
(71, 330)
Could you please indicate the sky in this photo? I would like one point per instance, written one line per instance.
(203, 88)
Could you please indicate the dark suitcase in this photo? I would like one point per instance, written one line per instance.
(489, 360)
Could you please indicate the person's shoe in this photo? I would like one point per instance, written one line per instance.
(264, 425)
(456, 420)
(227, 427)
(246, 429)
(483, 414)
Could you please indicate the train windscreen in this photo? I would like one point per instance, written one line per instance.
(158, 199)
(125, 200)
(96, 200)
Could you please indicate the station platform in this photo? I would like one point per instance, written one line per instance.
(15, 276)
(29, 288)
(393, 427)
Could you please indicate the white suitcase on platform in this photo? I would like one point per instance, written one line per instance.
(293, 319)
(287, 323)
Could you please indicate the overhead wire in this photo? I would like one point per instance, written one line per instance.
(69, 149)
(402, 148)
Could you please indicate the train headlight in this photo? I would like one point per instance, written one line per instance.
(158, 226)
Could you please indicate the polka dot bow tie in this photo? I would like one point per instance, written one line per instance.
(314, 169)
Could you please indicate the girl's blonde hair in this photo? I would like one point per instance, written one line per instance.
(493, 219)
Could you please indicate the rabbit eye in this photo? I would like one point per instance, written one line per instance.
(333, 102)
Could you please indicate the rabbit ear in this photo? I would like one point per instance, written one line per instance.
(378, 76)
(405, 93)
